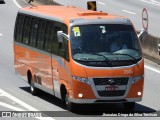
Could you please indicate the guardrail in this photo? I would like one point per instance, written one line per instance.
(150, 44)
(151, 48)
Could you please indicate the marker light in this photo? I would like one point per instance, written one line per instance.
(139, 93)
(84, 80)
(80, 95)
(135, 79)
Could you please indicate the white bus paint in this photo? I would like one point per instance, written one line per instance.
(16, 4)
(129, 12)
(153, 69)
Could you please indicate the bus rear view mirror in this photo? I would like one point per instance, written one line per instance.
(142, 34)
(60, 36)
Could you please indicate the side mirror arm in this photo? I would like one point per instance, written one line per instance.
(60, 36)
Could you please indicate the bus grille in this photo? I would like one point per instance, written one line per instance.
(110, 81)
(111, 93)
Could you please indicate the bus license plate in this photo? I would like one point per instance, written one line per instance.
(112, 87)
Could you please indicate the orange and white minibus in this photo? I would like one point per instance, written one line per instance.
(80, 56)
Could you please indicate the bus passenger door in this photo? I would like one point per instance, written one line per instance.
(58, 58)
(55, 63)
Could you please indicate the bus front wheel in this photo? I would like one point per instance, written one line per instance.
(70, 106)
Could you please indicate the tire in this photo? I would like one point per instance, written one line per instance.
(33, 89)
(69, 105)
(129, 106)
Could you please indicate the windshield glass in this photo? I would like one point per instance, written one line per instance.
(116, 42)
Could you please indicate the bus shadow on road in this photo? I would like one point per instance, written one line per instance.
(47, 97)
(91, 109)
(100, 109)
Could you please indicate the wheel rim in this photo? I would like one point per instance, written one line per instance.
(32, 86)
(32, 89)
(66, 99)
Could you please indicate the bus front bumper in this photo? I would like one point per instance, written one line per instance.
(101, 101)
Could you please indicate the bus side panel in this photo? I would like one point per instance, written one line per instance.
(38, 62)
(19, 61)
(44, 69)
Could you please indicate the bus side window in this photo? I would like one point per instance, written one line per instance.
(26, 29)
(64, 50)
(41, 33)
(63, 47)
(55, 41)
(19, 27)
(33, 34)
(48, 36)
(55, 44)
(66, 54)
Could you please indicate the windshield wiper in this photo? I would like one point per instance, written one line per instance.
(135, 60)
(106, 59)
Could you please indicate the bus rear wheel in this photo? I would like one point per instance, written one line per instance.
(70, 106)
(33, 89)
(129, 105)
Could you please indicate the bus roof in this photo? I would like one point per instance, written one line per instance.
(66, 14)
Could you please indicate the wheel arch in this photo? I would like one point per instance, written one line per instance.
(63, 91)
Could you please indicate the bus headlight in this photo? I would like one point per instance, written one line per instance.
(135, 79)
(84, 80)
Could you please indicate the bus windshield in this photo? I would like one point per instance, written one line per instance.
(116, 42)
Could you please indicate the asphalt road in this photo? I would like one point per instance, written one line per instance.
(15, 95)
(129, 8)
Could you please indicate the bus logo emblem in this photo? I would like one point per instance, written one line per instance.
(111, 81)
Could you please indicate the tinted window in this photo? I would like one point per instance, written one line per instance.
(33, 34)
(114, 42)
(41, 33)
(63, 51)
(26, 29)
(49, 36)
(19, 26)
(63, 47)
(55, 42)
